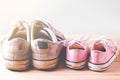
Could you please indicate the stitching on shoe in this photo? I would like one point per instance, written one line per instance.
(15, 60)
(45, 60)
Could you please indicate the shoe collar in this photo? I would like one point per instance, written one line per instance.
(43, 27)
(18, 26)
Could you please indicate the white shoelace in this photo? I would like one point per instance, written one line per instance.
(106, 41)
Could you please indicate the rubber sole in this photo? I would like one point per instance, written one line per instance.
(102, 67)
(17, 65)
(73, 65)
(45, 64)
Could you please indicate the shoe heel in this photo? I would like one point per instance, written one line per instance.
(17, 62)
(16, 54)
(102, 67)
(17, 65)
(46, 55)
(45, 64)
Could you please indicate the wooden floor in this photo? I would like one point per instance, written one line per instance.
(63, 73)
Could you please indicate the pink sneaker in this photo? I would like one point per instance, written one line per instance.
(103, 53)
(76, 54)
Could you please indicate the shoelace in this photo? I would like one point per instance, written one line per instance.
(24, 24)
(54, 38)
(57, 33)
(109, 42)
(82, 39)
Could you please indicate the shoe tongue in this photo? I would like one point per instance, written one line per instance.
(21, 32)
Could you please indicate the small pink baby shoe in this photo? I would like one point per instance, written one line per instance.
(76, 54)
(103, 53)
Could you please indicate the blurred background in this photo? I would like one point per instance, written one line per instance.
(68, 16)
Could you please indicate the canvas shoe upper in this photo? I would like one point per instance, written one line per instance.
(46, 45)
(76, 54)
(103, 53)
(15, 47)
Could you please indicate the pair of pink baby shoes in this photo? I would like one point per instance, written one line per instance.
(98, 57)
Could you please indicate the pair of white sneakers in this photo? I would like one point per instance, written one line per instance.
(37, 43)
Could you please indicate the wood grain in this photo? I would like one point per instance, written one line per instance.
(62, 73)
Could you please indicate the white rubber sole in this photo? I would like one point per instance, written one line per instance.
(102, 67)
(17, 65)
(73, 65)
(45, 65)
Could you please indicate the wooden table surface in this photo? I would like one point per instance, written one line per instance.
(62, 73)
